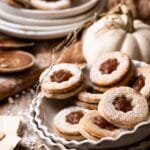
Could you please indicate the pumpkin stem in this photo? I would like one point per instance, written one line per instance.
(123, 9)
(129, 27)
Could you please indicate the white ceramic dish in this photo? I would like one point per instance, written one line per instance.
(36, 28)
(46, 110)
(47, 143)
(6, 15)
(80, 7)
(30, 28)
(30, 21)
(49, 34)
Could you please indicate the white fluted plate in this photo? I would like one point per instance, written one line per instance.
(47, 143)
(47, 109)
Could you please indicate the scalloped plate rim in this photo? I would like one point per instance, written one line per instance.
(79, 143)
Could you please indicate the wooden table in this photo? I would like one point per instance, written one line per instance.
(19, 104)
(10, 85)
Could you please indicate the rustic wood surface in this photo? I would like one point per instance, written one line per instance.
(12, 84)
(19, 104)
(20, 107)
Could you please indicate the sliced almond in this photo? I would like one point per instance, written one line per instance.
(2, 135)
(9, 142)
(10, 125)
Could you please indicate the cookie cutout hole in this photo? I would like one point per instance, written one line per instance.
(102, 123)
(138, 83)
(74, 117)
(61, 76)
(109, 66)
(122, 104)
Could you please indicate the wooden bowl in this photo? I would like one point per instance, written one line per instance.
(15, 61)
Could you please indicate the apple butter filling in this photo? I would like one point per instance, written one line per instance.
(74, 117)
(102, 123)
(138, 83)
(61, 76)
(122, 104)
(109, 66)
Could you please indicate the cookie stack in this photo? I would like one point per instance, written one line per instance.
(141, 81)
(93, 126)
(112, 70)
(116, 100)
(119, 108)
(88, 99)
(62, 81)
(66, 123)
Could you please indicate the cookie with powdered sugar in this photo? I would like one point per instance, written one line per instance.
(123, 107)
(94, 127)
(141, 81)
(124, 82)
(66, 123)
(110, 69)
(50, 5)
(61, 78)
(62, 96)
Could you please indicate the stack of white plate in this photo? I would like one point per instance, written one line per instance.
(44, 24)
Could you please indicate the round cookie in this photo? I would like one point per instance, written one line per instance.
(66, 95)
(141, 81)
(50, 5)
(69, 137)
(61, 78)
(66, 123)
(124, 82)
(94, 127)
(110, 69)
(86, 105)
(123, 107)
(89, 96)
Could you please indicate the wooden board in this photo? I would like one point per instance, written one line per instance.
(11, 84)
(14, 83)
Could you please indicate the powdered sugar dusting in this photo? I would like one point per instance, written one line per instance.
(119, 118)
(48, 84)
(106, 79)
(60, 120)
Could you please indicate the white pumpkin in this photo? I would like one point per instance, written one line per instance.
(117, 32)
